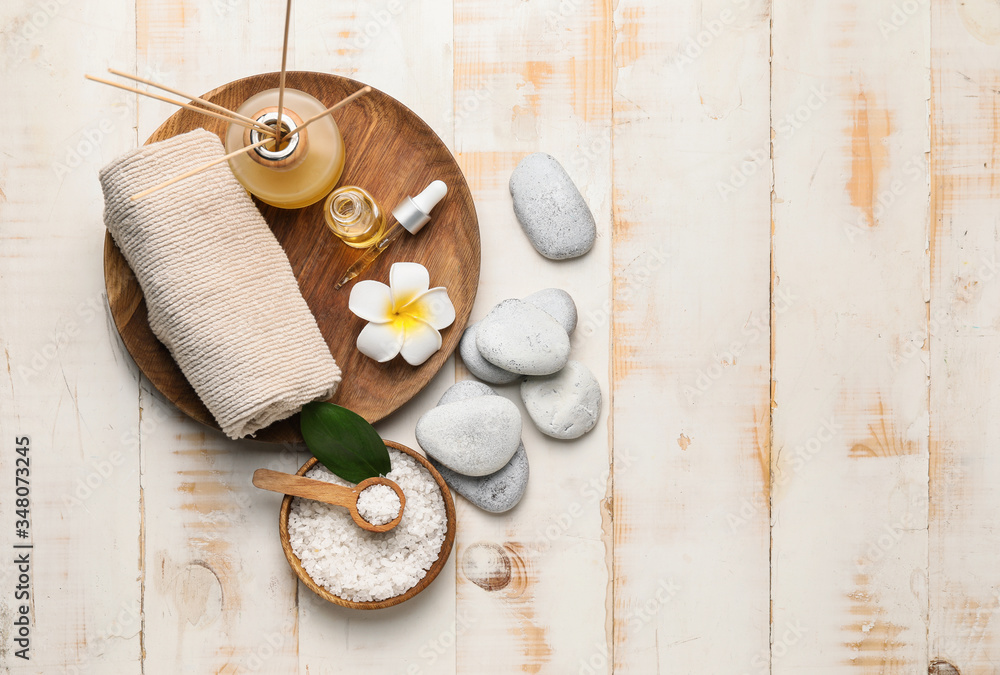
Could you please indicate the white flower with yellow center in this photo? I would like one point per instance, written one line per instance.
(403, 317)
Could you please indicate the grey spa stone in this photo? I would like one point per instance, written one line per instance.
(550, 208)
(479, 366)
(497, 492)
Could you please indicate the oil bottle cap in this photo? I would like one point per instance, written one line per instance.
(414, 212)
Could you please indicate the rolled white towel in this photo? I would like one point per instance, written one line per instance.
(221, 293)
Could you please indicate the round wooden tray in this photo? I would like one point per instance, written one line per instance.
(446, 545)
(392, 153)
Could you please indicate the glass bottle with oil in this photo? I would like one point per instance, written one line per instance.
(307, 165)
(354, 216)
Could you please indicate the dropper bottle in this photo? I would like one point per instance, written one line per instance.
(353, 215)
(411, 214)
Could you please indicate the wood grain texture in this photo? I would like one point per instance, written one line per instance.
(382, 137)
(169, 561)
(404, 49)
(964, 327)
(63, 382)
(537, 77)
(218, 596)
(432, 573)
(691, 349)
(849, 483)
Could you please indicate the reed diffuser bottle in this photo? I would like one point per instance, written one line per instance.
(304, 168)
(353, 215)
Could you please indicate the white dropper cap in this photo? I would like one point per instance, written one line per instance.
(415, 212)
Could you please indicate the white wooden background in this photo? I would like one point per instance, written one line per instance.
(793, 308)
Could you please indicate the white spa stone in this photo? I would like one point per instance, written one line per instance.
(522, 338)
(474, 437)
(464, 390)
(564, 405)
(499, 491)
(558, 304)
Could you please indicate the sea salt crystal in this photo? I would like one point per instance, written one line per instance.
(378, 504)
(363, 566)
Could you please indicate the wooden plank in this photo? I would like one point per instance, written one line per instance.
(403, 49)
(685, 89)
(691, 392)
(964, 346)
(218, 593)
(67, 389)
(849, 551)
(537, 77)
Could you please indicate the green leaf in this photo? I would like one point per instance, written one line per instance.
(344, 442)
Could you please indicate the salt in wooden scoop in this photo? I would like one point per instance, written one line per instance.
(338, 495)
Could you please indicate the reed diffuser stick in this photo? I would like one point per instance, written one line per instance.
(199, 169)
(195, 99)
(281, 83)
(359, 93)
(186, 106)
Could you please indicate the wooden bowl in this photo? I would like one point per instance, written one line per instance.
(392, 153)
(446, 545)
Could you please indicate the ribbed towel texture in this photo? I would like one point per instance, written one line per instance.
(220, 290)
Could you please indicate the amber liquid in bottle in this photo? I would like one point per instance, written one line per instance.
(353, 215)
(305, 168)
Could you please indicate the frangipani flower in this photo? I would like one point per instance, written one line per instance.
(404, 317)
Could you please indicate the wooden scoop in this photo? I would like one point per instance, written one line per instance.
(338, 495)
